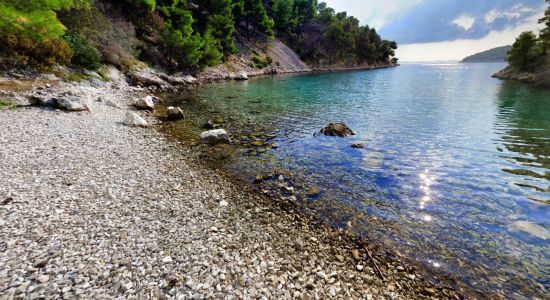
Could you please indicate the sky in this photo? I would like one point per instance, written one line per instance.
(442, 30)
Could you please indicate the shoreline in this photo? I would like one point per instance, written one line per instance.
(400, 278)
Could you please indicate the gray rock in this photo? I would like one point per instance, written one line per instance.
(174, 113)
(241, 76)
(216, 136)
(112, 104)
(71, 104)
(134, 120)
(145, 103)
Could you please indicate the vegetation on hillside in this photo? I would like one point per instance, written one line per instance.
(178, 34)
(529, 49)
(495, 54)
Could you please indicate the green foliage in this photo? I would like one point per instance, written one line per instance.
(22, 51)
(526, 50)
(211, 51)
(34, 19)
(260, 62)
(84, 54)
(545, 32)
(7, 104)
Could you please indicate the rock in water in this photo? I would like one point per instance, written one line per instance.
(337, 129)
(134, 120)
(174, 113)
(241, 76)
(145, 103)
(530, 228)
(71, 104)
(358, 145)
(217, 136)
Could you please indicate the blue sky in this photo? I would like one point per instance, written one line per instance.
(445, 29)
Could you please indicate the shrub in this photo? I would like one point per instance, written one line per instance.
(21, 51)
(261, 62)
(84, 54)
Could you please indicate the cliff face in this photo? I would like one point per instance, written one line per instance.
(540, 76)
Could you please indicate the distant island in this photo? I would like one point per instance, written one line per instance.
(498, 54)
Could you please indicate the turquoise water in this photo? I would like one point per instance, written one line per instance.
(455, 173)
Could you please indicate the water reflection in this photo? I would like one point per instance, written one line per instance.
(523, 121)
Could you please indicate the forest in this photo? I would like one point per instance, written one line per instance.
(179, 34)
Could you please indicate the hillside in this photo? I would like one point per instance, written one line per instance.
(498, 54)
(186, 36)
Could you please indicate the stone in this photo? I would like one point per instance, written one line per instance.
(241, 76)
(531, 229)
(174, 113)
(145, 103)
(71, 104)
(216, 136)
(43, 278)
(146, 80)
(339, 129)
(112, 104)
(134, 120)
(167, 259)
(358, 145)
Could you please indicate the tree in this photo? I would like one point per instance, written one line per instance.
(545, 32)
(181, 43)
(525, 51)
(34, 19)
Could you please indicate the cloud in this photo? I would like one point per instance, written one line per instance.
(443, 20)
(466, 22)
(458, 49)
(374, 13)
(515, 12)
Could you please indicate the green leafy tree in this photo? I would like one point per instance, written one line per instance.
(34, 19)
(211, 50)
(545, 32)
(525, 51)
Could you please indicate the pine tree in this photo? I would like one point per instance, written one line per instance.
(34, 18)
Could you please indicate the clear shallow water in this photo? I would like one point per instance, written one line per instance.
(455, 172)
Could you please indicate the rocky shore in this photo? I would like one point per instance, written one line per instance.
(92, 208)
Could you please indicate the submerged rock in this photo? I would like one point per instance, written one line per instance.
(174, 113)
(337, 129)
(216, 136)
(145, 103)
(134, 120)
(358, 145)
(530, 228)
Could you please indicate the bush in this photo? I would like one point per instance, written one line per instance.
(84, 55)
(261, 62)
(21, 51)
(525, 52)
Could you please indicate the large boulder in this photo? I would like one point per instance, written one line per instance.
(339, 129)
(134, 120)
(146, 79)
(145, 103)
(174, 113)
(71, 104)
(216, 136)
(241, 76)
